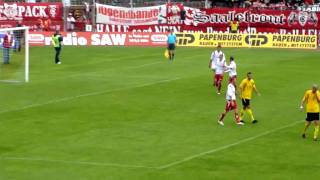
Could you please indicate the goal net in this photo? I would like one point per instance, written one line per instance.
(14, 55)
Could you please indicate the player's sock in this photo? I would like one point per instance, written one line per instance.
(236, 117)
(172, 56)
(241, 114)
(316, 132)
(306, 125)
(222, 116)
(219, 86)
(249, 111)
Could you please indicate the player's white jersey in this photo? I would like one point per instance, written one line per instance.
(215, 55)
(232, 69)
(231, 92)
(220, 66)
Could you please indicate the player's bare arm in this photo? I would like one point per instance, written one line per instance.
(256, 90)
(302, 103)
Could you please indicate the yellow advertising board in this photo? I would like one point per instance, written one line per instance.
(247, 40)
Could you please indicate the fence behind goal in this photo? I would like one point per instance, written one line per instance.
(14, 55)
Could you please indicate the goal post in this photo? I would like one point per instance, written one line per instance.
(14, 54)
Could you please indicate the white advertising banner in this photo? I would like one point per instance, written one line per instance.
(130, 16)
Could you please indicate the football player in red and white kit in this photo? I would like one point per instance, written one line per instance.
(232, 69)
(215, 55)
(220, 68)
(231, 104)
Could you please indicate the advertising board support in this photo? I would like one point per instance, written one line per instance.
(93, 16)
(131, 4)
(65, 14)
(207, 5)
(249, 28)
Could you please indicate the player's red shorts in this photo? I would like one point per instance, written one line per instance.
(232, 78)
(218, 77)
(230, 107)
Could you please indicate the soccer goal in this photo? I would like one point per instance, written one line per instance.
(14, 55)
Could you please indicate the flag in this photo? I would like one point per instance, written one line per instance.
(166, 54)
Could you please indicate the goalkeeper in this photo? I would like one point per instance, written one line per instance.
(56, 41)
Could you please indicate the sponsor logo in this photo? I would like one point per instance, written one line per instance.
(256, 40)
(302, 18)
(11, 11)
(36, 38)
(159, 38)
(17, 11)
(184, 39)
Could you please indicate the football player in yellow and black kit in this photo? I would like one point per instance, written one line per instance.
(312, 99)
(247, 85)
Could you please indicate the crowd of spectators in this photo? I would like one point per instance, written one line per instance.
(273, 4)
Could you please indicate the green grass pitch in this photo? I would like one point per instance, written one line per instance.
(120, 113)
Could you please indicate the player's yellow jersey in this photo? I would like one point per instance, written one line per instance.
(312, 103)
(246, 87)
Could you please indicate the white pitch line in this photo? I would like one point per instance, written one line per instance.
(93, 73)
(88, 163)
(186, 159)
(76, 162)
(10, 81)
(86, 95)
(144, 65)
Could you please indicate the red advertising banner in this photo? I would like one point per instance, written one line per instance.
(39, 16)
(218, 19)
(285, 19)
(163, 28)
(128, 16)
(183, 39)
(100, 39)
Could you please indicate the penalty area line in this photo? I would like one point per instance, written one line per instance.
(75, 162)
(87, 94)
(189, 158)
(11, 81)
(166, 166)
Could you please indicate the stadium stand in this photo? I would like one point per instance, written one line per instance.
(272, 4)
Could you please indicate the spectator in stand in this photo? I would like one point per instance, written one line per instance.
(219, 3)
(295, 3)
(234, 26)
(182, 15)
(70, 22)
(46, 24)
(87, 10)
(309, 2)
(7, 44)
(39, 25)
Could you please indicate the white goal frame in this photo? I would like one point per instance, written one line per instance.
(26, 41)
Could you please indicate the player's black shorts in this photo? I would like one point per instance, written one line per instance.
(171, 46)
(245, 102)
(312, 116)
